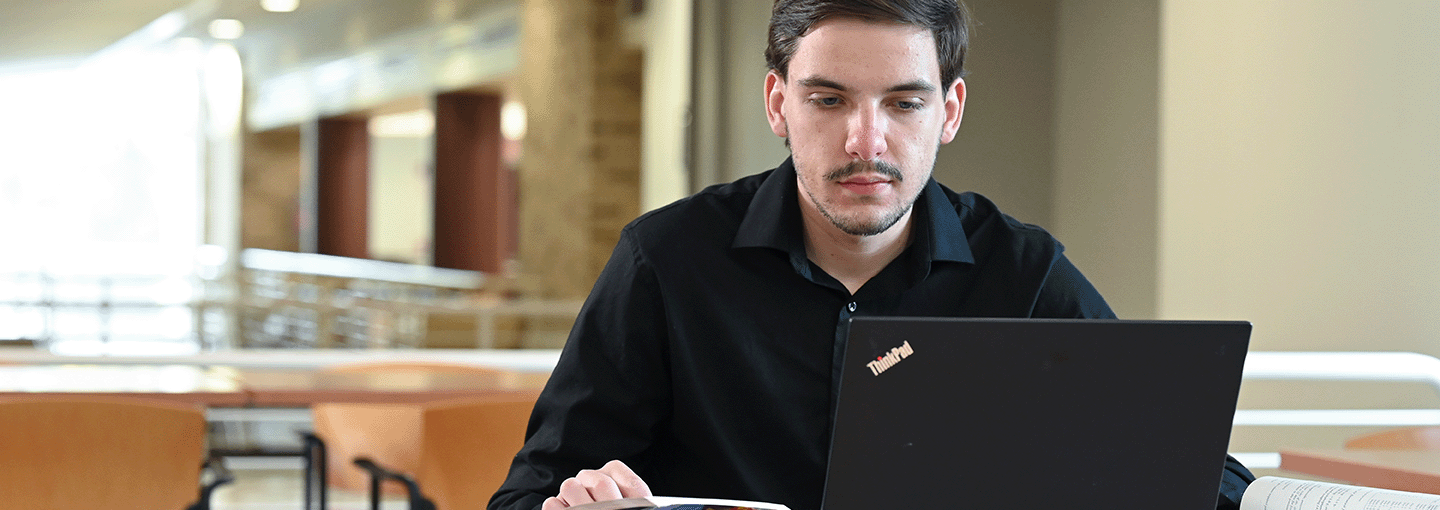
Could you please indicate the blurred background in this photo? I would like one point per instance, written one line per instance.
(186, 176)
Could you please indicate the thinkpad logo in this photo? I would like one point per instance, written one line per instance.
(883, 363)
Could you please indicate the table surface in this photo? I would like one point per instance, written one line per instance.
(520, 360)
(294, 388)
(207, 386)
(1406, 470)
(219, 386)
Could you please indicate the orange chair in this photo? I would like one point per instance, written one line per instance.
(458, 451)
(467, 448)
(1410, 438)
(63, 453)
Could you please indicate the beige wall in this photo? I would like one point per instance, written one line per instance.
(666, 102)
(747, 24)
(1243, 160)
(731, 138)
(1299, 185)
(401, 199)
(1005, 146)
(1106, 119)
(1301, 171)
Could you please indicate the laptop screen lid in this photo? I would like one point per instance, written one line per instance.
(1034, 413)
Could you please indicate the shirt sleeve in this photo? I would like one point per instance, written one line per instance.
(1232, 484)
(1066, 294)
(607, 394)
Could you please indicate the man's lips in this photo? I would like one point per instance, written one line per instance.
(865, 185)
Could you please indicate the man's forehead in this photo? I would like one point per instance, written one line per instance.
(860, 32)
(842, 52)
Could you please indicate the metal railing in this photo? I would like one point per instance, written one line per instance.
(277, 300)
(1406, 367)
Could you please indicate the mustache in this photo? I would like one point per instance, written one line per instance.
(855, 167)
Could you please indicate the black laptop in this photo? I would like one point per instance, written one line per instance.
(1035, 413)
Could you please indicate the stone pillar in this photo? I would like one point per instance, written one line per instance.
(270, 190)
(342, 187)
(474, 198)
(579, 176)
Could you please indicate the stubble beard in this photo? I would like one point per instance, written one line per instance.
(860, 226)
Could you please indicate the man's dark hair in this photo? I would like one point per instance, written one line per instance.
(946, 20)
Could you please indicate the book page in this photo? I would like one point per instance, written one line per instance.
(1276, 493)
(668, 503)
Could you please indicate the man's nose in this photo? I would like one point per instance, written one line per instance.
(867, 134)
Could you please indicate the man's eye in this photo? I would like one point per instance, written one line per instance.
(908, 105)
(826, 101)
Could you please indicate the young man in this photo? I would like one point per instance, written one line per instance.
(706, 361)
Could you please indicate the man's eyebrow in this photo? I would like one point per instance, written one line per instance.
(914, 86)
(911, 86)
(816, 81)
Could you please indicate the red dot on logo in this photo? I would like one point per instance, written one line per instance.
(879, 358)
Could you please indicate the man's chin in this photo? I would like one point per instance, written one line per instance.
(866, 225)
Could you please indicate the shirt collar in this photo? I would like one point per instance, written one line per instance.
(773, 220)
(946, 233)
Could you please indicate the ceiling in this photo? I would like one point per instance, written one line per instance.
(32, 30)
(37, 30)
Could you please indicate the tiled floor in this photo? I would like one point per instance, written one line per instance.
(274, 483)
(283, 489)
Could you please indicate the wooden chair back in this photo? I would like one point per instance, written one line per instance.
(467, 449)
(1409, 438)
(65, 453)
(388, 434)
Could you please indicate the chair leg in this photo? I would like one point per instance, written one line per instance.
(317, 470)
(219, 475)
(374, 493)
(418, 501)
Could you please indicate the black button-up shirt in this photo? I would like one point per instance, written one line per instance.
(707, 356)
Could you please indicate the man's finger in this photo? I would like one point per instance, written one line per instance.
(553, 503)
(572, 493)
(629, 483)
(599, 484)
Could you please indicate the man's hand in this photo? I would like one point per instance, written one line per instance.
(613, 481)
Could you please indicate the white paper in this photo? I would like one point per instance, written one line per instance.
(1276, 493)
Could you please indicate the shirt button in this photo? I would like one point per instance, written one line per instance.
(851, 306)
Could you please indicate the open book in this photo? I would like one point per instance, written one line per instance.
(1276, 493)
(662, 503)
(1266, 493)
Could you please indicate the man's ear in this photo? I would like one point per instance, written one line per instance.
(954, 109)
(774, 101)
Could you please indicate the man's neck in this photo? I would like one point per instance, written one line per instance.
(851, 259)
